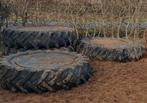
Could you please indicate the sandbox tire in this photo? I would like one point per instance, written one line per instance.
(24, 80)
(130, 52)
(30, 40)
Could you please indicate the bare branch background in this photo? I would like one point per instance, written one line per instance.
(113, 18)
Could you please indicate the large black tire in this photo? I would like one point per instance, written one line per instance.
(43, 70)
(19, 39)
(123, 53)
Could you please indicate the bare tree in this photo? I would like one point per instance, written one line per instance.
(20, 8)
(4, 13)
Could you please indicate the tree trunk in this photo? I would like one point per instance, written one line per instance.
(145, 35)
(24, 19)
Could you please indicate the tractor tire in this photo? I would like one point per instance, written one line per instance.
(25, 38)
(40, 71)
(130, 51)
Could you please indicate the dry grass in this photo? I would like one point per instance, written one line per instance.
(101, 12)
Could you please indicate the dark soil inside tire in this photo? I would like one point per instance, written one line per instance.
(43, 60)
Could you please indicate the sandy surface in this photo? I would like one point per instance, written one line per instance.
(111, 83)
(108, 43)
(46, 28)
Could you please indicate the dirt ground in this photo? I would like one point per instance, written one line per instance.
(111, 83)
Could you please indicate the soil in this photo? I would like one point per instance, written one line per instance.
(108, 43)
(44, 60)
(112, 82)
(46, 28)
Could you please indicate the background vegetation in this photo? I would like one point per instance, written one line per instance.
(115, 18)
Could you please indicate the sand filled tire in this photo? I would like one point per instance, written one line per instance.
(111, 49)
(43, 37)
(43, 70)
